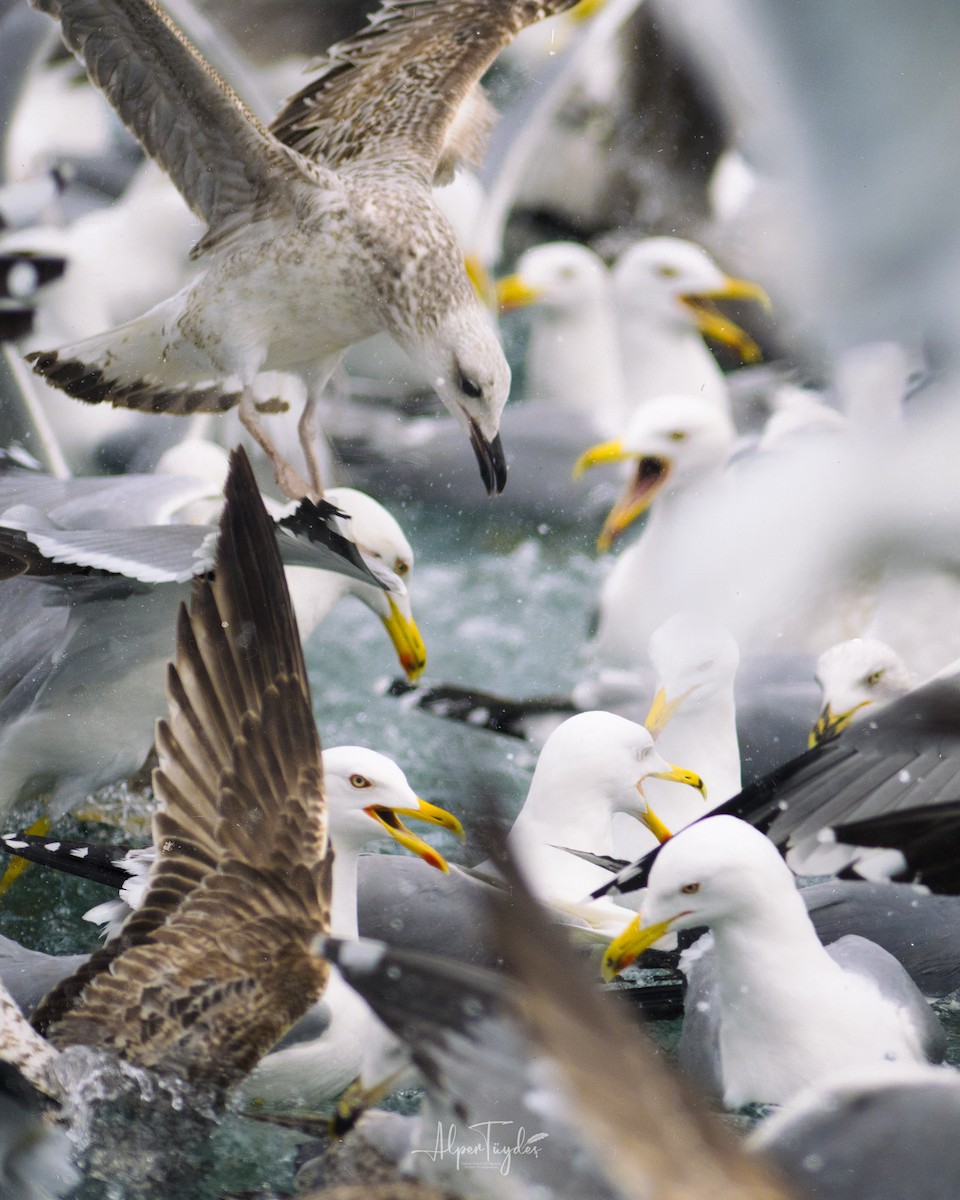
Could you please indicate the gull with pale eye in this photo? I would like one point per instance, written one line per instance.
(665, 291)
(769, 1010)
(854, 676)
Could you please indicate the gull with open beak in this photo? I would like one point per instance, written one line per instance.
(593, 765)
(666, 291)
(671, 442)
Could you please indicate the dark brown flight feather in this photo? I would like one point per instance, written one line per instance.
(216, 965)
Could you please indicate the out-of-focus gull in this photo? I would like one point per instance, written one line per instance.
(874, 1136)
(769, 1010)
(217, 963)
(855, 677)
(665, 289)
(693, 719)
(68, 621)
(572, 359)
(331, 206)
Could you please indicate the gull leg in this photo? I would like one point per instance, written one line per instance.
(289, 479)
(308, 429)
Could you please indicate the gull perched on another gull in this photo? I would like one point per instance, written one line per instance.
(321, 230)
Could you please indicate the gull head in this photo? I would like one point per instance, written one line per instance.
(854, 676)
(671, 442)
(367, 797)
(560, 278)
(388, 554)
(602, 760)
(466, 365)
(717, 870)
(695, 658)
(671, 282)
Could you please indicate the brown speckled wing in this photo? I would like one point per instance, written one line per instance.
(392, 93)
(227, 167)
(216, 965)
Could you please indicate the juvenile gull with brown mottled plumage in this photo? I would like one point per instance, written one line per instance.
(321, 231)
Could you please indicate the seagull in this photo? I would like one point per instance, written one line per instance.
(321, 230)
(855, 678)
(665, 290)
(87, 591)
(777, 1012)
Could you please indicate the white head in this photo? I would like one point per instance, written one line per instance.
(601, 760)
(715, 871)
(693, 657)
(561, 278)
(367, 794)
(856, 677)
(383, 543)
(464, 361)
(674, 441)
(668, 281)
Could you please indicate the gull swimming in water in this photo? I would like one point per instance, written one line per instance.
(321, 230)
(774, 1011)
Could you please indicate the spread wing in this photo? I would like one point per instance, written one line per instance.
(404, 89)
(216, 965)
(227, 167)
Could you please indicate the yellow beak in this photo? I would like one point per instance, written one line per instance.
(662, 711)
(389, 818)
(713, 324)
(681, 775)
(829, 724)
(479, 277)
(513, 291)
(629, 945)
(651, 474)
(406, 640)
(655, 825)
(586, 9)
(600, 455)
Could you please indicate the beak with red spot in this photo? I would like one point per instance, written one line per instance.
(389, 818)
(715, 325)
(629, 945)
(649, 476)
(404, 635)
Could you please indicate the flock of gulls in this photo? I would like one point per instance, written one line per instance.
(729, 900)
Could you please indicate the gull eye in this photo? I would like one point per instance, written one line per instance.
(401, 567)
(667, 272)
(468, 386)
(360, 781)
(874, 678)
(690, 889)
(677, 435)
(567, 273)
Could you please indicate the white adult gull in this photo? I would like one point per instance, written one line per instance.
(321, 231)
(94, 589)
(592, 766)
(855, 677)
(774, 1012)
(665, 290)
